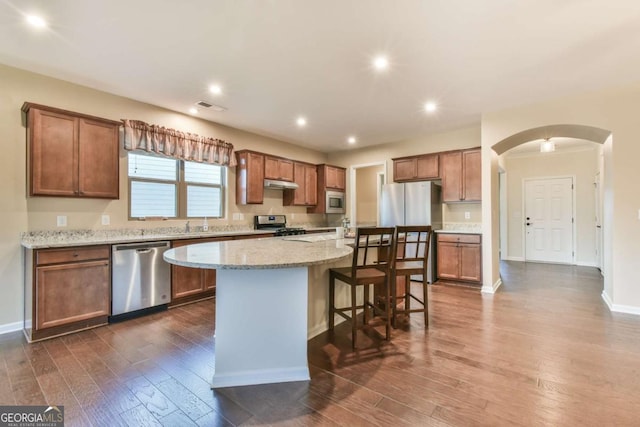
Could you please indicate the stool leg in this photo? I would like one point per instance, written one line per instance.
(332, 303)
(365, 306)
(407, 294)
(393, 299)
(387, 307)
(425, 300)
(354, 326)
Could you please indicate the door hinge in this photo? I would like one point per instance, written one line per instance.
(572, 186)
(571, 220)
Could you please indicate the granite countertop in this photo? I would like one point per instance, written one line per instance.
(61, 239)
(270, 253)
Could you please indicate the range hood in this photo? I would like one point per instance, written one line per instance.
(284, 185)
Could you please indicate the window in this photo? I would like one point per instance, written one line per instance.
(165, 187)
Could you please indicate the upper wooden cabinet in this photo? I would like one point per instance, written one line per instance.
(461, 176)
(71, 154)
(332, 177)
(249, 177)
(416, 168)
(278, 168)
(306, 176)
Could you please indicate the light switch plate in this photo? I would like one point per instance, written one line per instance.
(61, 220)
(467, 215)
(106, 220)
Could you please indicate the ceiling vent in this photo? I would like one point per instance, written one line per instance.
(205, 104)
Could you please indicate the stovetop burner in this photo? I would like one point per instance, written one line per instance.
(289, 231)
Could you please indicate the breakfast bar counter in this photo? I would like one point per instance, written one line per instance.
(262, 302)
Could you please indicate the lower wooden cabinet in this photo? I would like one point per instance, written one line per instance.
(459, 257)
(191, 284)
(67, 290)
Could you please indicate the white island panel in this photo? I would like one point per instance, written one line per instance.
(261, 327)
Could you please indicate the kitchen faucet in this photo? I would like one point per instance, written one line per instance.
(187, 228)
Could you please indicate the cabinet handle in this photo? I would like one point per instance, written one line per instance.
(75, 255)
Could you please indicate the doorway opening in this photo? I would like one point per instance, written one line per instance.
(365, 184)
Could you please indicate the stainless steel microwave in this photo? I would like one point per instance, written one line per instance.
(335, 202)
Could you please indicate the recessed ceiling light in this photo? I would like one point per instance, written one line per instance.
(351, 140)
(193, 110)
(381, 63)
(36, 21)
(215, 89)
(430, 107)
(301, 121)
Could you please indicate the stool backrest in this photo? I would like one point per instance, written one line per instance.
(373, 248)
(412, 242)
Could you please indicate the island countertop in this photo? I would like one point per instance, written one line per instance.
(265, 253)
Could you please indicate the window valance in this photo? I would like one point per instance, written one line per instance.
(139, 135)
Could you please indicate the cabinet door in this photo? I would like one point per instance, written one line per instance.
(471, 168)
(68, 293)
(451, 164)
(335, 178)
(98, 159)
(470, 262)
(249, 178)
(186, 281)
(285, 168)
(448, 260)
(311, 185)
(404, 169)
(275, 168)
(53, 154)
(271, 168)
(427, 166)
(209, 279)
(297, 197)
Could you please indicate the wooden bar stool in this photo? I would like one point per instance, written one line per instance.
(411, 249)
(371, 265)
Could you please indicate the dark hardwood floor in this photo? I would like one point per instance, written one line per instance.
(544, 350)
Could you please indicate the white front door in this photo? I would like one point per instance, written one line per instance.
(549, 220)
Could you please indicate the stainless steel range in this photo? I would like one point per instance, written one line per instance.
(277, 223)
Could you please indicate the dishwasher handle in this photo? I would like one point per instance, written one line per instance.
(143, 246)
(144, 251)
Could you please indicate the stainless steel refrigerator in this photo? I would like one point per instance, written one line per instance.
(413, 203)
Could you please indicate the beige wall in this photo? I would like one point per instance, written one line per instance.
(579, 164)
(615, 110)
(367, 195)
(455, 213)
(19, 213)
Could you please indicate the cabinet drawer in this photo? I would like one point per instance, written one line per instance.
(459, 238)
(56, 256)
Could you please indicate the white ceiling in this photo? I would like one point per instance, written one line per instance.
(562, 144)
(277, 59)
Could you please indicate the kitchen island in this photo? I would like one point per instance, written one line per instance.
(262, 302)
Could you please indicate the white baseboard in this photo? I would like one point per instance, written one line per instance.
(262, 376)
(493, 288)
(10, 327)
(618, 308)
(515, 258)
(586, 264)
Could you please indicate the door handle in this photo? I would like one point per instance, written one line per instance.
(143, 251)
(528, 223)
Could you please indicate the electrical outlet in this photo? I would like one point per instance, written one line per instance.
(61, 220)
(106, 220)
(467, 215)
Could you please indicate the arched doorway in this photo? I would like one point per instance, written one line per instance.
(581, 132)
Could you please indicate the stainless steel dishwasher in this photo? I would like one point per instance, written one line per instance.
(140, 279)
